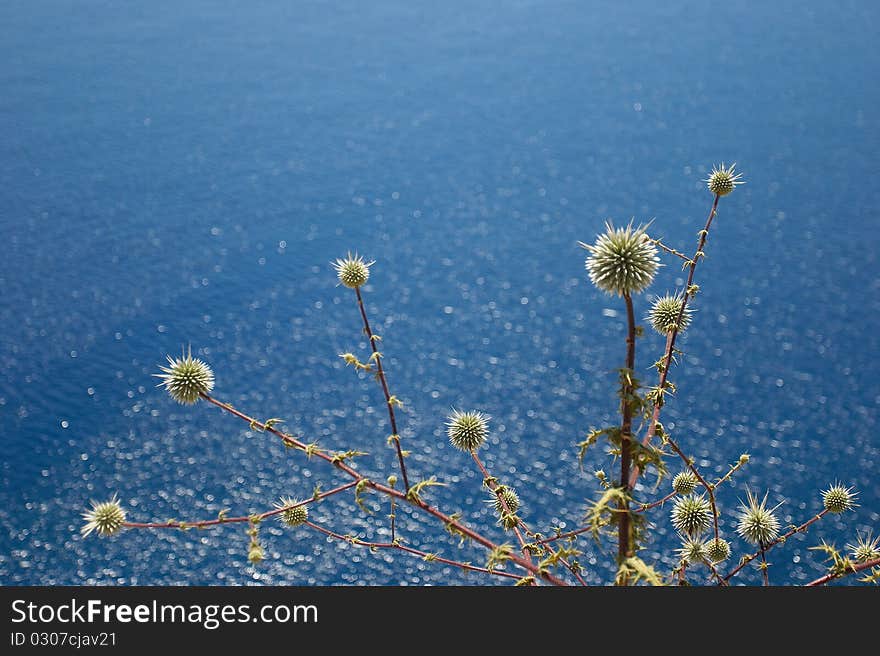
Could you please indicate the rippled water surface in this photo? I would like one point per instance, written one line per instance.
(183, 172)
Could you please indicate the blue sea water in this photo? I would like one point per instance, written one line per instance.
(183, 172)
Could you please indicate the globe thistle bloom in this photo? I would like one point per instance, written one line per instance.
(756, 523)
(692, 551)
(723, 180)
(663, 315)
(467, 430)
(692, 515)
(717, 550)
(353, 271)
(623, 261)
(511, 499)
(187, 378)
(104, 518)
(684, 482)
(838, 499)
(866, 548)
(293, 514)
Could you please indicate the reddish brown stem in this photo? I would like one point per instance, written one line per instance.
(462, 529)
(822, 580)
(207, 523)
(380, 374)
(782, 538)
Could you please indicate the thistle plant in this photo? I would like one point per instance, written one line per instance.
(622, 262)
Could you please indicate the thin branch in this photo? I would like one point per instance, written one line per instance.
(209, 523)
(355, 541)
(380, 374)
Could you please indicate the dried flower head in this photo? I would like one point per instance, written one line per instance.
(623, 261)
(722, 180)
(866, 548)
(104, 518)
(692, 515)
(756, 523)
(692, 551)
(293, 514)
(838, 499)
(187, 378)
(663, 315)
(353, 271)
(684, 482)
(717, 550)
(467, 430)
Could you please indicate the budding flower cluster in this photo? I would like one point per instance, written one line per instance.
(692, 515)
(293, 514)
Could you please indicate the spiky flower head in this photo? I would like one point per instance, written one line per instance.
(293, 514)
(866, 548)
(838, 499)
(353, 271)
(104, 518)
(684, 482)
(623, 261)
(664, 312)
(467, 430)
(692, 551)
(757, 523)
(187, 378)
(717, 550)
(511, 499)
(692, 515)
(723, 180)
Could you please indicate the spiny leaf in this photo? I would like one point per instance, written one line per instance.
(498, 556)
(414, 493)
(347, 455)
(634, 569)
(359, 490)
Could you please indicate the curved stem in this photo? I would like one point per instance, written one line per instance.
(671, 337)
(459, 527)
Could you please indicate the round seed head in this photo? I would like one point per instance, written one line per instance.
(467, 430)
(511, 499)
(663, 315)
(692, 551)
(684, 482)
(757, 523)
(623, 261)
(723, 180)
(353, 271)
(293, 514)
(717, 550)
(105, 518)
(838, 499)
(186, 378)
(692, 515)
